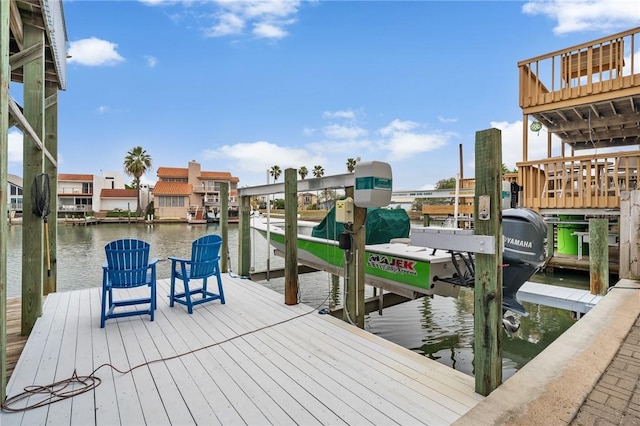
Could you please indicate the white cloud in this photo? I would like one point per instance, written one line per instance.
(262, 155)
(336, 131)
(94, 52)
(352, 148)
(344, 114)
(267, 18)
(15, 147)
(152, 61)
(404, 145)
(512, 143)
(103, 109)
(592, 15)
(227, 24)
(266, 30)
(447, 120)
(397, 126)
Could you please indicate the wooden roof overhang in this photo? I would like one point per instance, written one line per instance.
(602, 123)
(47, 15)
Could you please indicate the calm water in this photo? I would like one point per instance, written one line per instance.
(439, 328)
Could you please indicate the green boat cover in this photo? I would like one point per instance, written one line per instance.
(382, 225)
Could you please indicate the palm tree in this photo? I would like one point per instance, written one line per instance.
(136, 164)
(318, 171)
(275, 172)
(351, 164)
(303, 172)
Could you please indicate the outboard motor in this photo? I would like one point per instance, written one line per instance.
(525, 237)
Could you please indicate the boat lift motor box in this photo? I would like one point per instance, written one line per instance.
(372, 184)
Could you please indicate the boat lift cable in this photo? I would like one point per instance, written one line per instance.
(36, 396)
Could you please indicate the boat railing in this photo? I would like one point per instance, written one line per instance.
(589, 181)
(590, 69)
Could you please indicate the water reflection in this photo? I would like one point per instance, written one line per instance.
(439, 328)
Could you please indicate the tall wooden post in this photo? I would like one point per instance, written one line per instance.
(630, 235)
(224, 225)
(599, 256)
(50, 276)
(5, 76)
(550, 243)
(244, 238)
(354, 277)
(488, 280)
(291, 236)
(32, 224)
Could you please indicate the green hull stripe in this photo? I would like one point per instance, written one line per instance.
(406, 271)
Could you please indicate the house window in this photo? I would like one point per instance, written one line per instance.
(87, 187)
(171, 201)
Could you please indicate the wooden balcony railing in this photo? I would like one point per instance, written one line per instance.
(604, 65)
(589, 181)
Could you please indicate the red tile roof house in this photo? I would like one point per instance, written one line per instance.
(119, 199)
(181, 191)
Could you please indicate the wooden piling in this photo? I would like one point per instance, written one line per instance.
(244, 240)
(50, 274)
(488, 279)
(354, 278)
(598, 256)
(550, 243)
(4, 143)
(630, 235)
(32, 224)
(291, 236)
(224, 225)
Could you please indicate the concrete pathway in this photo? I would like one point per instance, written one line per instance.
(615, 400)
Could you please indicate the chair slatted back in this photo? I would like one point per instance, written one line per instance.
(205, 255)
(128, 261)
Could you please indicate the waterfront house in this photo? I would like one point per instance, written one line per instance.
(14, 189)
(180, 191)
(87, 193)
(583, 103)
(306, 200)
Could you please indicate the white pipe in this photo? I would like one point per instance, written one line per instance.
(455, 206)
(268, 230)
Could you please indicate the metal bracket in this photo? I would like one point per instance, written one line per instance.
(462, 240)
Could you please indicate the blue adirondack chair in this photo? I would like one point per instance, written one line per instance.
(127, 266)
(204, 263)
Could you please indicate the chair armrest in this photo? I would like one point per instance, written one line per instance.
(105, 266)
(178, 259)
(153, 261)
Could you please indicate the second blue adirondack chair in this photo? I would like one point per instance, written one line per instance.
(204, 263)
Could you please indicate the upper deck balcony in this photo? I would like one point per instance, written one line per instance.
(588, 96)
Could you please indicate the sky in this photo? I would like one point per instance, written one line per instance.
(241, 86)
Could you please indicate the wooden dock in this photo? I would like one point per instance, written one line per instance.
(570, 299)
(15, 342)
(263, 362)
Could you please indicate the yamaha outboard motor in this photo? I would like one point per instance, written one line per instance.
(525, 237)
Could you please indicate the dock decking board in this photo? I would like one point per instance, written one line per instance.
(311, 369)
